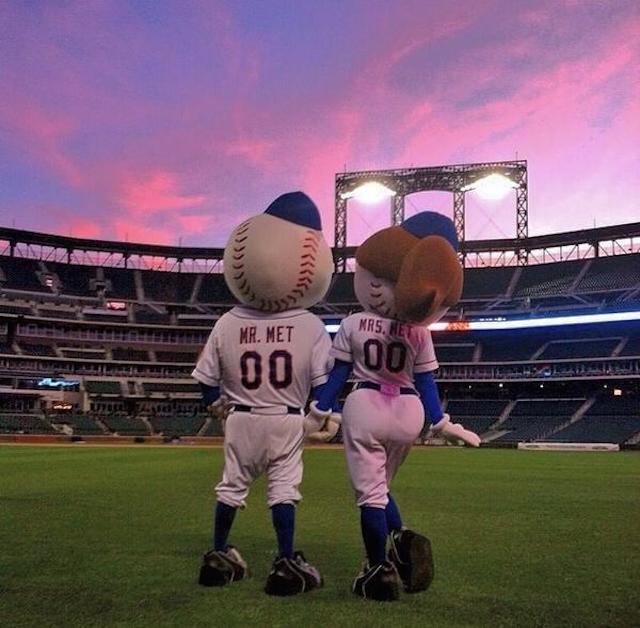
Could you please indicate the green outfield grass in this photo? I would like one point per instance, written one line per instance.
(95, 536)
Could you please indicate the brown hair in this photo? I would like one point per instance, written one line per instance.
(426, 272)
(430, 279)
(383, 253)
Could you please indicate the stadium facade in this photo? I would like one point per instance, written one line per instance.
(99, 338)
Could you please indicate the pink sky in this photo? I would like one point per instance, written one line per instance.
(170, 122)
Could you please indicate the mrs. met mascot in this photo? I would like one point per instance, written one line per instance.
(407, 276)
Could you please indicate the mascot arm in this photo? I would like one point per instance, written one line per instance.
(216, 403)
(326, 395)
(323, 419)
(428, 391)
(209, 393)
(441, 424)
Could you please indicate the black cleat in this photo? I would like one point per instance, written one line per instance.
(290, 576)
(380, 582)
(411, 554)
(221, 568)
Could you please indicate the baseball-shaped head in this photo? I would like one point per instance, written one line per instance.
(279, 260)
(410, 272)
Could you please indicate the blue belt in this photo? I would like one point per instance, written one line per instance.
(373, 386)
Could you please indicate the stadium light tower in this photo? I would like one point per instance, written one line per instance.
(489, 179)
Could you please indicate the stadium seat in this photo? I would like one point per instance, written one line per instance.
(613, 420)
(177, 356)
(476, 415)
(103, 387)
(531, 419)
(24, 424)
(124, 425)
(80, 424)
(178, 425)
(547, 279)
(608, 273)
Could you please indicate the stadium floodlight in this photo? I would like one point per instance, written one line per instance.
(492, 187)
(370, 193)
(526, 323)
(551, 321)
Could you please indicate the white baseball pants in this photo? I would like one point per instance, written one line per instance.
(379, 431)
(262, 441)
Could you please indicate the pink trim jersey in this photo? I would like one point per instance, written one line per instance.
(262, 359)
(384, 350)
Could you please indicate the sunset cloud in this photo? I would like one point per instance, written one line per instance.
(157, 193)
(173, 121)
(154, 209)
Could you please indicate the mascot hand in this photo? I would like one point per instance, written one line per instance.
(454, 432)
(220, 408)
(315, 419)
(327, 431)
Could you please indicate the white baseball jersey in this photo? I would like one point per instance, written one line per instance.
(263, 359)
(384, 350)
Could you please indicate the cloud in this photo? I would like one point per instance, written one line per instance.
(158, 192)
(179, 122)
(84, 227)
(33, 130)
(254, 151)
(155, 209)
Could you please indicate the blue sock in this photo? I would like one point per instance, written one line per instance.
(374, 533)
(223, 521)
(284, 517)
(394, 521)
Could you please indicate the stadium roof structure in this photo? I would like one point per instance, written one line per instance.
(583, 244)
(51, 247)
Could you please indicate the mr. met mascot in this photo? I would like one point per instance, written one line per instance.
(260, 363)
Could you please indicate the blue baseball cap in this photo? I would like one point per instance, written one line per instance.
(298, 208)
(428, 223)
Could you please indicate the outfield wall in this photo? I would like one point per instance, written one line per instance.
(53, 439)
(570, 446)
(63, 439)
